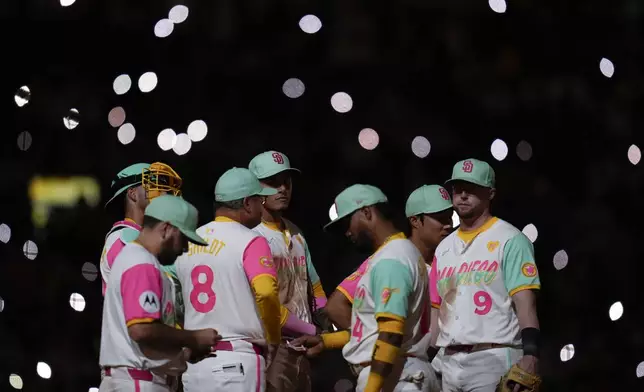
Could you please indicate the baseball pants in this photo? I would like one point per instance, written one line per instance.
(229, 371)
(124, 380)
(417, 375)
(478, 371)
(289, 372)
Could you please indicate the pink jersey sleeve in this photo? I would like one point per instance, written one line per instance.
(350, 283)
(110, 256)
(433, 285)
(258, 260)
(142, 291)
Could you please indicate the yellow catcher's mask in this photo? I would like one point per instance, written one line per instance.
(159, 179)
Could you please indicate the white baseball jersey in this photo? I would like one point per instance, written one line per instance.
(121, 233)
(136, 293)
(294, 268)
(474, 277)
(394, 285)
(216, 280)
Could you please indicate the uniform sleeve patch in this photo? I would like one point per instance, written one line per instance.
(492, 245)
(149, 301)
(529, 270)
(266, 262)
(386, 294)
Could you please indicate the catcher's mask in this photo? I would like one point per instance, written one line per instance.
(156, 178)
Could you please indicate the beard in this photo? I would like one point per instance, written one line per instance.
(465, 213)
(167, 255)
(363, 243)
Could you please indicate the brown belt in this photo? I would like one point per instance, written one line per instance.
(470, 348)
(356, 369)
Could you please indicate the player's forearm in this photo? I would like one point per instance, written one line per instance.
(525, 302)
(338, 308)
(161, 337)
(385, 353)
(295, 326)
(334, 340)
(433, 327)
(268, 306)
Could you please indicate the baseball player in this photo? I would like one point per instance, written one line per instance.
(301, 292)
(429, 211)
(138, 340)
(231, 284)
(134, 187)
(390, 298)
(483, 281)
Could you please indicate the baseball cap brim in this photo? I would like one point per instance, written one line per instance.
(266, 191)
(120, 191)
(339, 218)
(428, 211)
(193, 237)
(276, 172)
(467, 179)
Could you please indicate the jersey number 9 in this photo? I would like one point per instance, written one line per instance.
(483, 303)
(202, 289)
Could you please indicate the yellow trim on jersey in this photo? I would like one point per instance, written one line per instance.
(318, 291)
(525, 287)
(436, 306)
(468, 236)
(272, 225)
(335, 339)
(385, 352)
(130, 220)
(345, 292)
(391, 326)
(139, 321)
(397, 236)
(283, 315)
(252, 282)
(224, 219)
(390, 316)
(286, 235)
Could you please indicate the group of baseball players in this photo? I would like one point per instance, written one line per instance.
(237, 305)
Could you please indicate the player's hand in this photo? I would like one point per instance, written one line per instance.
(530, 364)
(313, 344)
(204, 342)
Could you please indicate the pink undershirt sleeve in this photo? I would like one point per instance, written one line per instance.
(433, 285)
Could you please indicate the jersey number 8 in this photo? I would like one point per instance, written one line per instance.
(202, 289)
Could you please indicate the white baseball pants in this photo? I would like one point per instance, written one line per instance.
(122, 379)
(229, 371)
(478, 371)
(417, 375)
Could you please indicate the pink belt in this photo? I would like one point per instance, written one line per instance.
(228, 346)
(140, 375)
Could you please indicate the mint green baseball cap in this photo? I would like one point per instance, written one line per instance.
(127, 178)
(270, 163)
(354, 198)
(177, 212)
(428, 199)
(473, 171)
(238, 183)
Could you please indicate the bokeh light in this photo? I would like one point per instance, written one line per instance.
(560, 260)
(67, 3)
(639, 371)
(341, 102)
(310, 24)
(178, 14)
(420, 146)
(634, 154)
(616, 311)
(567, 352)
(116, 117)
(293, 88)
(5, 233)
(22, 97)
(147, 82)
(15, 381)
(30, 250)
(71, 120)
(77, 302)
(89, 271)
(93, 389)
(498, 6)
(531, 232)
(197, 130)
(166, 139)
(126, 133)
(122, 84)
(524, 151)
(1, 304)
(43, 370)
(499, 149)
(368, 139)
(606, 67)
(456, 220)
(333, 212)
(24, 140)
(183, 144)
(163, 28)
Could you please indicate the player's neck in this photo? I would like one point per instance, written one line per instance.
(382, 233)
(476, 222)
(274, 217)
(426, 251)
(134, 214)
(148, 243)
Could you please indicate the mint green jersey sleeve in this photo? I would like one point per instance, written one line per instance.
(519, 267)
(313, 274)
(391, 285)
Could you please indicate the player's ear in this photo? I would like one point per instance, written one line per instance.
(492, 193)
(416, 221)
(366, 213)
(132, 194)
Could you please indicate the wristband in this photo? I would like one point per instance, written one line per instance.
(385, 352)
(335, 339)
(531, 338)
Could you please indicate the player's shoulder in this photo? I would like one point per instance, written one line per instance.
(131, 255)
(505, 230)
(292, 227)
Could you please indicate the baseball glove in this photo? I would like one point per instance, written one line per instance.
(516, 375)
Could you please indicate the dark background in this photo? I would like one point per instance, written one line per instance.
(453, 71)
